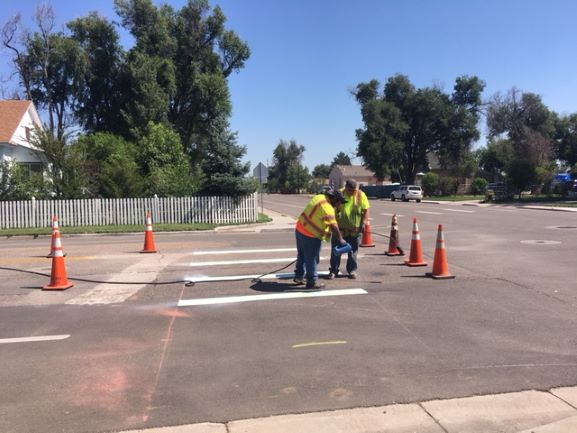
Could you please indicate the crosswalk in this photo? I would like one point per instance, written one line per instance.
(213, 270)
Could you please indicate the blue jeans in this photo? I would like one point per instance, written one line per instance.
(308, 257)
(352, 262)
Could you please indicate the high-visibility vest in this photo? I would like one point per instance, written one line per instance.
(318, 217)
(350, 214)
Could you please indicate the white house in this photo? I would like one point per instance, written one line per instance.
(17, 122)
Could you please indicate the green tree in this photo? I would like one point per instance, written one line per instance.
(321, 171)
(298, 178)
(566, 139)
(521, 175)
(495, 157)
(405, 124)
(285, 156)
(380, 142)
(64, 171)
(224, 171)
(164, 163)
(526, 122)
(184, 57)
(341, 159)
(98, 101)
(110, 165)
(50, 66)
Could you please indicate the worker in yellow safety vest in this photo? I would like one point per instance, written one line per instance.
(314, 225)
(352, 218)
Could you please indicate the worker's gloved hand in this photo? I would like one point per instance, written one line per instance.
(362, 228)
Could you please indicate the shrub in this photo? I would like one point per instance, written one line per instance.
(448, 185)
(430, 183)
(479, 186)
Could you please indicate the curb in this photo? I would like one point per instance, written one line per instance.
(530, 411)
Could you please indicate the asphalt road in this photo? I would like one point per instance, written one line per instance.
(119, 357)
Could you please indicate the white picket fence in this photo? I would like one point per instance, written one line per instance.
(123, 211)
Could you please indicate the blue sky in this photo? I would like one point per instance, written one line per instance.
(308, 54)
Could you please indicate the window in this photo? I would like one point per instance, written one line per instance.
(31, 167)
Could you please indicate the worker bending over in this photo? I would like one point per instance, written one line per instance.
(315, 225)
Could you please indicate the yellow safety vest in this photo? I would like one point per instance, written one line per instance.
(317, 218)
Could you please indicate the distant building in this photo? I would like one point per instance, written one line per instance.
(18, 119)
(340, 173)
(260, 172)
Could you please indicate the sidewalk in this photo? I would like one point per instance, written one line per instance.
(553, 411)
(279, 222)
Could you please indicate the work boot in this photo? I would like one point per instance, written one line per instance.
(331, 276)
(298, 281)
(353, 275)
(315, 285)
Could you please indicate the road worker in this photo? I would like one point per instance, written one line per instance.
(352, 217)
(314, 225)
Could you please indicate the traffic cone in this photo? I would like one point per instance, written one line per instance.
(58, 278)
(416, 254)
(54, 230)
(367, 240)
(149, 246)
(440, 265)
(394, 238)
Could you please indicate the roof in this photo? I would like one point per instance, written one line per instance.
(11, 114)
(354, 171)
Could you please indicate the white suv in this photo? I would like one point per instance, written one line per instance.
(408, 192)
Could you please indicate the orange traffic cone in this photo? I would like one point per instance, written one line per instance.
(367, 240)
(58, 278)
(416, 255)
(149, 246)
(394, 239)
(54, 230)
(440, 265)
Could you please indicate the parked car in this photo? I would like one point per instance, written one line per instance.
(408, 192)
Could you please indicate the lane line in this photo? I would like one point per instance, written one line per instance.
(391, 214)
(280, 276)
(33, 339)
(270, 250)
(460, 210)
(317, 343)
(429, 213)
(244, 262)
(268, 297)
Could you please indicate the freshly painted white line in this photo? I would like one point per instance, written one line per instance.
(270, 250)
(391, 214)
(460, 210)
(243, 262)
(32, 339)
(268, 297)
(429, 213)
(281, 276)
(317, 343)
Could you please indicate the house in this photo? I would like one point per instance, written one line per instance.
(18, 119)
(340, 173)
